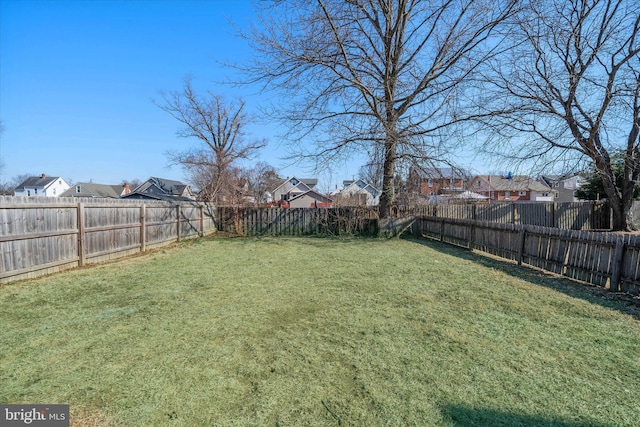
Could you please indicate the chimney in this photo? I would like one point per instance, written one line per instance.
(127, 189)
(43, 176)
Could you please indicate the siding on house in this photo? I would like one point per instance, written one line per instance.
(564, 187)
(310, 199)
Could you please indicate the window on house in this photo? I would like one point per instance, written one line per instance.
(35, 191)
(54, 191)
(522, 193)
(28, 193)
(430, 182)
(557, 194)
(507, 195)
(294, 181)
(78, 189)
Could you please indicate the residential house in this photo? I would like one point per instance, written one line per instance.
(563, 186)
(356, 193)
(310, 199)
(41, 186)
(294, 192)
(511, 188)
(289, 188)
(89, 189)
(162, 189)
(436, 181)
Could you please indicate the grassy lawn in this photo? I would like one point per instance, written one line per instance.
(294, 331)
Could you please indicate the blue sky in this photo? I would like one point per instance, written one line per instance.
(77, 80)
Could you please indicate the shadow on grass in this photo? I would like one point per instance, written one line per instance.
(466, 416)
(622, 302)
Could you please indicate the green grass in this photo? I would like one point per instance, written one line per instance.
(291, 332)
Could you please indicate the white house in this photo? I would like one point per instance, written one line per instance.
(357, 193)
(41, 186)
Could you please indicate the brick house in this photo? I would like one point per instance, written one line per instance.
(436, 181)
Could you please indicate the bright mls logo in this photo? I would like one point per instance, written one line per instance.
(34, 415)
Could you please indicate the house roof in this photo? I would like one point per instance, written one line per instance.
(89, 189)
(161, 189)
(551, 179)
(515, 183)
(166, 186)
(437, 173)
(37, 181)
(309, 183)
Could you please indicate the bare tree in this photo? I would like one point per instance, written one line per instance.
(262, 178)
(569, 90)
(358, 73)
(220, 127)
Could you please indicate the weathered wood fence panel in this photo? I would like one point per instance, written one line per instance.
(569, 216)
(298, 221)
(40, 236)
(604, 259)
(362, 220)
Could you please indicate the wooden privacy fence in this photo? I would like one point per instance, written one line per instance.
(299, 221)
(609, 260)
(250, 221)
(41, 236)
(568, 216)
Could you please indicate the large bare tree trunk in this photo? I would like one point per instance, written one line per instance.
(387, 196)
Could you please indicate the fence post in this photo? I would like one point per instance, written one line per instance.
(442, 230)
(616, 267)
(178, 220)
(143, 227)
(81, 236)
(472, 236)
(201, 221)
(523, 236)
